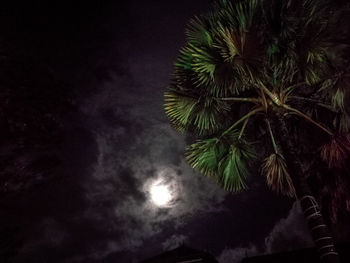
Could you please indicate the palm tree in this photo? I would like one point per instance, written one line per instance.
(253, 72)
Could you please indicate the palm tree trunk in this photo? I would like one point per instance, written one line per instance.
(319, 231)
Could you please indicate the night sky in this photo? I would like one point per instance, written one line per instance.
(110, 63)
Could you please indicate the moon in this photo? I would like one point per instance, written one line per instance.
(160, 194)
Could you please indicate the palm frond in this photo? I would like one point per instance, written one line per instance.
(204, 64)
(234, 14)
(315, 71)
(185, 60)
(224, 159)
(198, 62)
(242, 13)
(179, 108)
(279, 52)
(204, 69)
(233, 168)
(313, 43)
(336, 151)
(344, 123)
(341, 86)
(223, 49)
(283, 71)
(243, 50)
(202, 114)
(198, 32)
(210, 115)
(278, 179)
(335, 88)
(338, 99)
(314, 54)
(204, 155)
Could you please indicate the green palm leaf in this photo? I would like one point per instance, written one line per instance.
(224, 159)
(238, 14)
(278, 52)
(201, 114)
(233, 168)
(223, 49)
(338, 99)
(210, 115)
(344, 123)
(341, 86)
(179, 108)
(204, 155)
(203, 64)
(313, 41)
(198, 33)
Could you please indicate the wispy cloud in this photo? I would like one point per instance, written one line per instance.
(289, 233)
(236, 255)
(135, 151)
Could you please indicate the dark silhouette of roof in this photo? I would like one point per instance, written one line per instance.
(307, 255)
(182, 254)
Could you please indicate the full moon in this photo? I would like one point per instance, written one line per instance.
(160, 194)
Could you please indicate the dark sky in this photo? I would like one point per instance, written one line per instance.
(116, 60)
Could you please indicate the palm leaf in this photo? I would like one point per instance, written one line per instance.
(338, 99)
(204, 155)
(233, 168)
(237, 14)
(341, 86)
(210, 115)
(344, 123)
(179, 108)
(224, 13)
(244, 50)
(198, 33)
(200, 69)
(313, 57)
(336, 151)
(200, 60)
(278, 179)
(218, 43)
(313, 41)
(223, 158)
(201, 114)
(204, 64)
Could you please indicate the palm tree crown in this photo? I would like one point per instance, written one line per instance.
(246, 62)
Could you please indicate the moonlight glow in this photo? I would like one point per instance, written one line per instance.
(160, 194)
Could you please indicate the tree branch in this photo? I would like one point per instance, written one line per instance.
(275, 148)
(271, 95)
(251, 113)
(290, 88)
(253, 100)
(299, 113)
(329, 107)
(243, 128)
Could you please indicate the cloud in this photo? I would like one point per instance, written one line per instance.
(137, 147)
(236, 255)
(115, 217)
(52, 235)
(289, 233)
(113, 214)
(174, 241)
